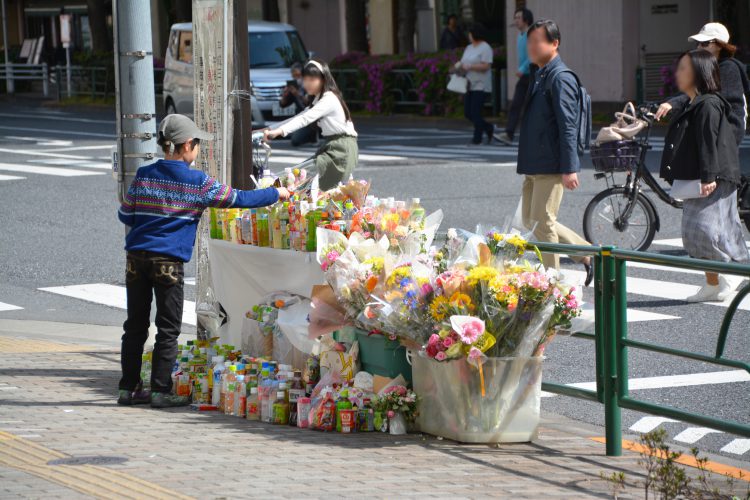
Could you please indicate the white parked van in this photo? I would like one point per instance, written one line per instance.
(274, 47)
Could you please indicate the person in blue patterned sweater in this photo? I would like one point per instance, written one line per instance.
(162, 209)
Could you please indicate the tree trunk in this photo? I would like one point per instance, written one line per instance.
(98, 12)
(407, 21)
(356, 26)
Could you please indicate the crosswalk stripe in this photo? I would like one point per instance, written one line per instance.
(113, 296)
(419, 154)
(461, 151)
(40, 153)
(677, 242)
(10, 178)
(60, 172)
(75, 163)
(737, 446)
(693, 434)
(684, 380)
(8, 307)
(647, 424)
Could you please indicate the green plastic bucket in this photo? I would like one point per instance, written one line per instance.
(380, 356)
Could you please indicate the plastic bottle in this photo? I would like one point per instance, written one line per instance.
(253, 408)
(247, 228)
(296, 392)
(214, 224)
(275, 223)
(417, 211)
(304, 404)
(240, 397)
(342, 404)
(218, 372)
(254, 222)
(263, 234)
(280, 409)
(284, 225)
(266, 396)
(313, 219)
(229, 389)
(146, 370)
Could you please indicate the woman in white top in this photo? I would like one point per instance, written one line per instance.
(337, 158)
(476, 64)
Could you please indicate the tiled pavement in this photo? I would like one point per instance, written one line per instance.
(63, 436)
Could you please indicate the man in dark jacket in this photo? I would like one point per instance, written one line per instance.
(548, 146)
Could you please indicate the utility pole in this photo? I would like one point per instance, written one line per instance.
(134, 89)
(9, 84)
(241, 163)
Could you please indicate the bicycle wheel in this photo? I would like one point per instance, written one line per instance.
(603, 223)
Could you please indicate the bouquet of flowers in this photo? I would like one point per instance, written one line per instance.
(397, 399)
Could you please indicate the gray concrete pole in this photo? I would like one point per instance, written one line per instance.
(134, 81)
(9, 84)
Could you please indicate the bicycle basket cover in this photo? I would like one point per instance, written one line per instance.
(616, 156)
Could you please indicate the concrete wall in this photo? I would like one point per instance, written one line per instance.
(381, 26)
(598, 37)
(320, 24)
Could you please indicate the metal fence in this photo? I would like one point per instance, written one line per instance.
(612, 343)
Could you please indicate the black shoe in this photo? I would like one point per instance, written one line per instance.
(164, 400)
(589, 274)
(139, 396)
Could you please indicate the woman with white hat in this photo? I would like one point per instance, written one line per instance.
(735, 86)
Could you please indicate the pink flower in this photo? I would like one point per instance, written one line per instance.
(431, 351)
(434, 339)
(475, 354)
(332, 256)
(391, 413)
(440, 356)
(447, 342)
(471, 332)
(392, 336)
(324, 265)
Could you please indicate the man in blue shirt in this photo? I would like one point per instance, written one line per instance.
(162, 209)
(522, 19)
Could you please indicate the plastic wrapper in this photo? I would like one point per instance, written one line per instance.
(257, 339)
(453, 406)
(344, 363)
(291, 344)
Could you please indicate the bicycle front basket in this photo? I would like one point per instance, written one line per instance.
(616, 156)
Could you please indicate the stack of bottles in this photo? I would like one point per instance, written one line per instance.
(263, 390)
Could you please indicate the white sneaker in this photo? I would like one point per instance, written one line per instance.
(731, 282)
(711, 293)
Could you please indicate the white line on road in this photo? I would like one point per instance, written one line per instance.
(441, 150)
(10, 178)
(113, 296)
(61, 132)
(75, 163)
(40, 153)
(81, 148)
(677, 242)
(737, 446)
(668, 381)
(60, 172)
(8, 307)
(41, 142)
(693, 434)
(647, 424)
(46, 116)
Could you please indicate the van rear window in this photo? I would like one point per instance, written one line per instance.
(276, 49)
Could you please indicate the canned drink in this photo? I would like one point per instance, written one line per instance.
(366, 420)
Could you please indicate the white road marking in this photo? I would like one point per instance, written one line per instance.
(656, 267)
(441, 150)
(60, 172)
(431, 153)
(685, 380)
(190, 281)
(293, 159)
(10, 178)
(647, 424)
(113, 296)
(59, 132)
(40, 153)
(41, 142)
(737, 446)
(693, 434)
(677, 242)
(8, 307)
(81, 148)
(48, 116)
(75, 163)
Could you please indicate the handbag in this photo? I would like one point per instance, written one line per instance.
(627, 126)
(458, 84)
(686, 190)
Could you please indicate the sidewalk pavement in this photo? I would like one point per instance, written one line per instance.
(63, 436)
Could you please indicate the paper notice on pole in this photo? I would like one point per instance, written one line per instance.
(212, 20)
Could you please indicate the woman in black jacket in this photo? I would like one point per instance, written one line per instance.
(700, 148)
(735, 86)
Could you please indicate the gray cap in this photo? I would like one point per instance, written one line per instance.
(178, 129)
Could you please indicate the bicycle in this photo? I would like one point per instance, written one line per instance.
(262, 154)
(622, 215)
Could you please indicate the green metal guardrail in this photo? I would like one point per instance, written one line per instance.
(612, 343)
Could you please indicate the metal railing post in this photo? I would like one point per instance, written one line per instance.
(621, 314)
(93, 84)
(599, 327)
(612, 420)
(58, 77)
(45, 80)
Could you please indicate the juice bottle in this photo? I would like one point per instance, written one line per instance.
(263, 234)
(254, 226)
(417, 211)
(313, 218)
(214, 224)
(253, 409)
(304, 405)
(218, 372)
(247, 228)
(280, 409)
(240, 397)
(275, 223)
(342, 404)
(296, 391)
(266, 397)
(284, 225)
(231, 380)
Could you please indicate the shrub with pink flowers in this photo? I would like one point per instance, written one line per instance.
(377, 81)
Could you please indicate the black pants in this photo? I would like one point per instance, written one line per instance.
(305, 135)
(148, 274)
(516, 105)
(473, 105)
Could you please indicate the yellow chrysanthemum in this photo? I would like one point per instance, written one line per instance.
(461, 300)
(376, 264)
(497, 237)
(439, 308)
(481, 273)
(398, 274)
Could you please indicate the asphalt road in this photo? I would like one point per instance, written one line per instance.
(60, 229)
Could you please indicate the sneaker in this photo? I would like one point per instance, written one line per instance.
(164, 400)
(503, 137)
(731, 282)
(711, 293)
(139, 396)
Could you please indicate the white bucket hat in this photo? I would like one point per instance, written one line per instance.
(711, 31)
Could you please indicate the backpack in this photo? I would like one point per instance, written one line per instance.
(584, 109)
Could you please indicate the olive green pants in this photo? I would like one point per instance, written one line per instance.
(336, 160)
